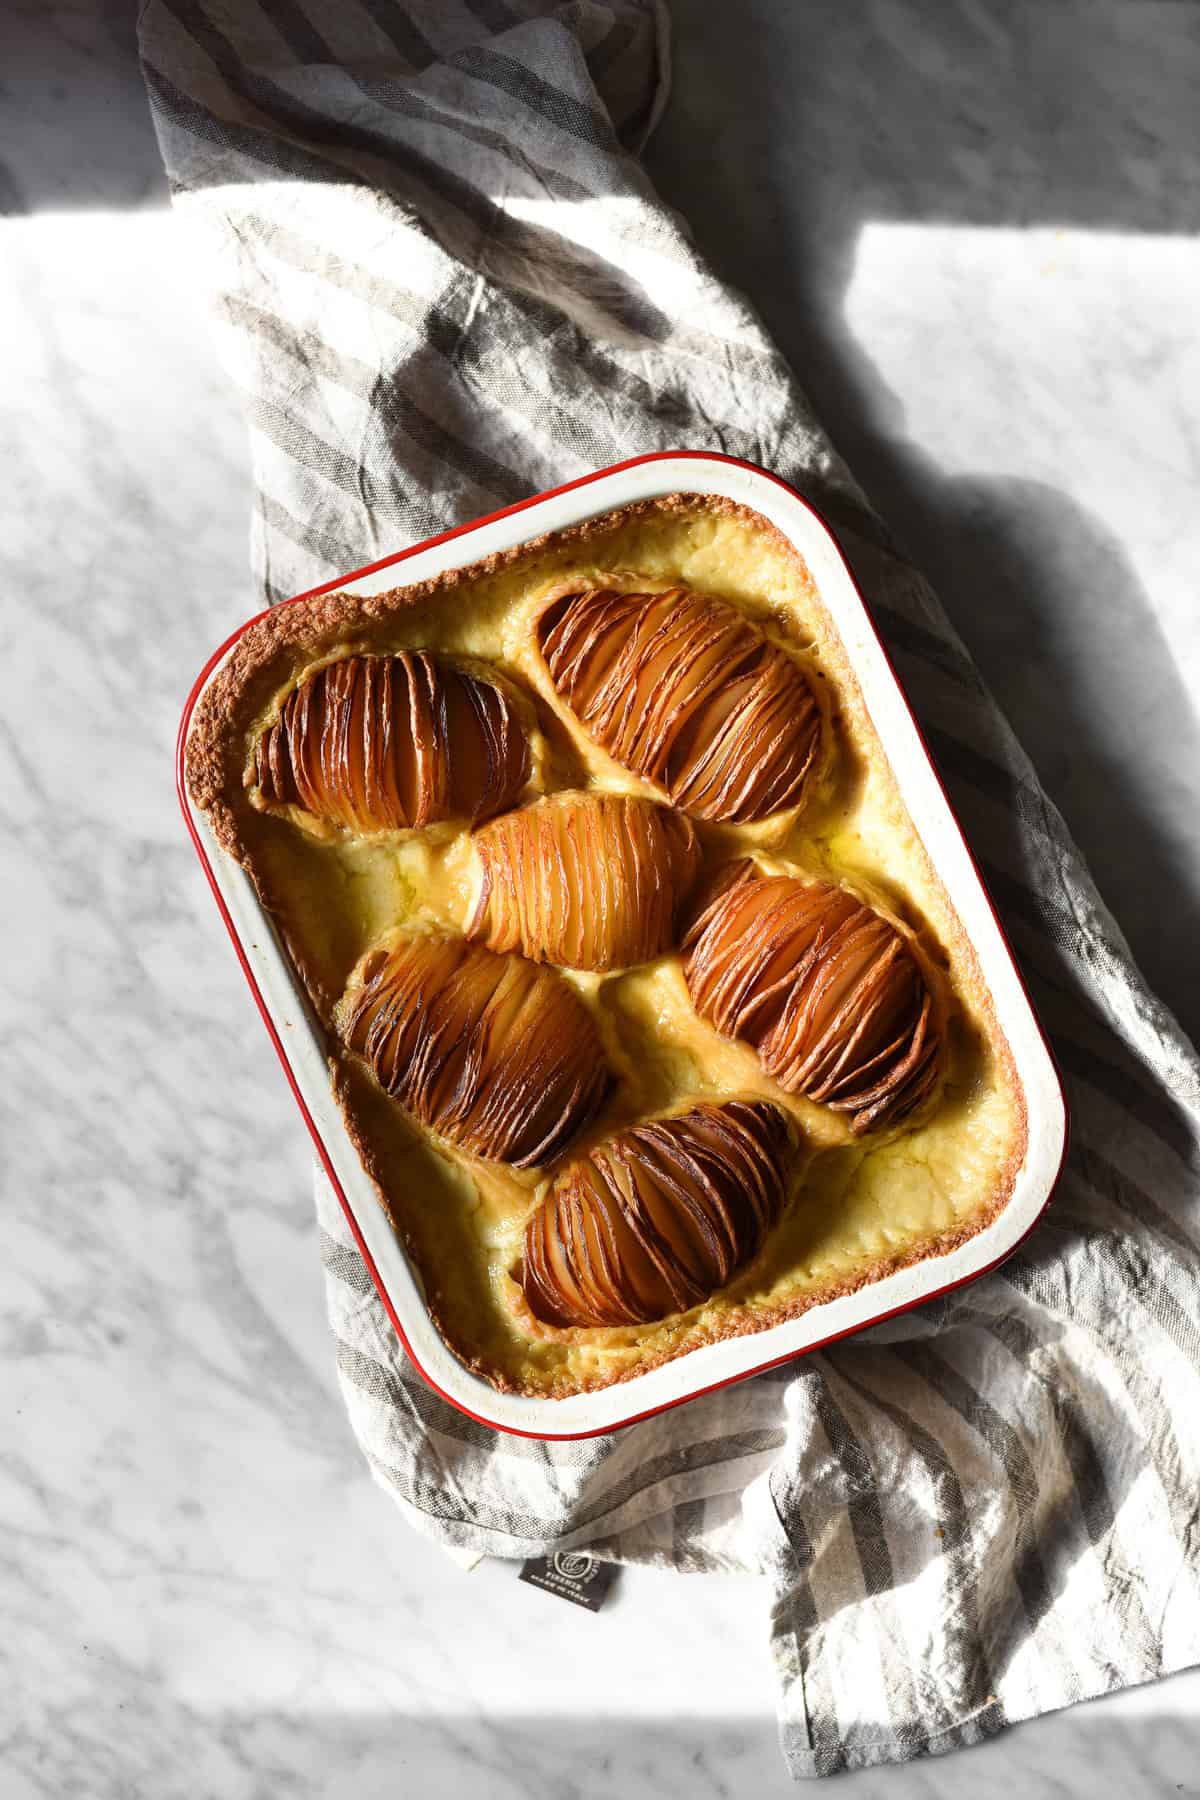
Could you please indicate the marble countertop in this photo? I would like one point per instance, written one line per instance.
(975, 235)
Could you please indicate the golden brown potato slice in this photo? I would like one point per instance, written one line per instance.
(393, 743)
(829, 993)
(689, 694)
(493, 1053)
(589, 881)
(658, 1217)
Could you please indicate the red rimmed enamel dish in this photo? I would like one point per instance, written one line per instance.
(302, 1045)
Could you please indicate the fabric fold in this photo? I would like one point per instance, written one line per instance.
(440, 281)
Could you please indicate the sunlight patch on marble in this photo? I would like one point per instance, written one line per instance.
(1005, 347)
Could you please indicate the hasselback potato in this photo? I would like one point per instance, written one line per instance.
(658, 1217)
(497, 1055)
(380, 743)
(827, 991)
(688, 693)
(589, 881)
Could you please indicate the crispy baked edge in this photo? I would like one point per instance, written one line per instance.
(278, 646)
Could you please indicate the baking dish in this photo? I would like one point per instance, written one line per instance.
(300, 1042)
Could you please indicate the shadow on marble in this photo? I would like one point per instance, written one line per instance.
(75, 126)
(781, 146)
(175, 1750)
(1005, 557)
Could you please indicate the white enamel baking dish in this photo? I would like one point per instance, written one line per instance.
(298, 1038)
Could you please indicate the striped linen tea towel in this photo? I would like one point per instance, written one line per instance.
(442, 282)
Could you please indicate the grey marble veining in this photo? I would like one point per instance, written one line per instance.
(202, 1593)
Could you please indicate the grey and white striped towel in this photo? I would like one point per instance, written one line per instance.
(441, 282)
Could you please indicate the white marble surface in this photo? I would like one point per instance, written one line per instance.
(992, 295)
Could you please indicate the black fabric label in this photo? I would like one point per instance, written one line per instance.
(574, 1575)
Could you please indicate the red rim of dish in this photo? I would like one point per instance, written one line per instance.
(401, 556)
